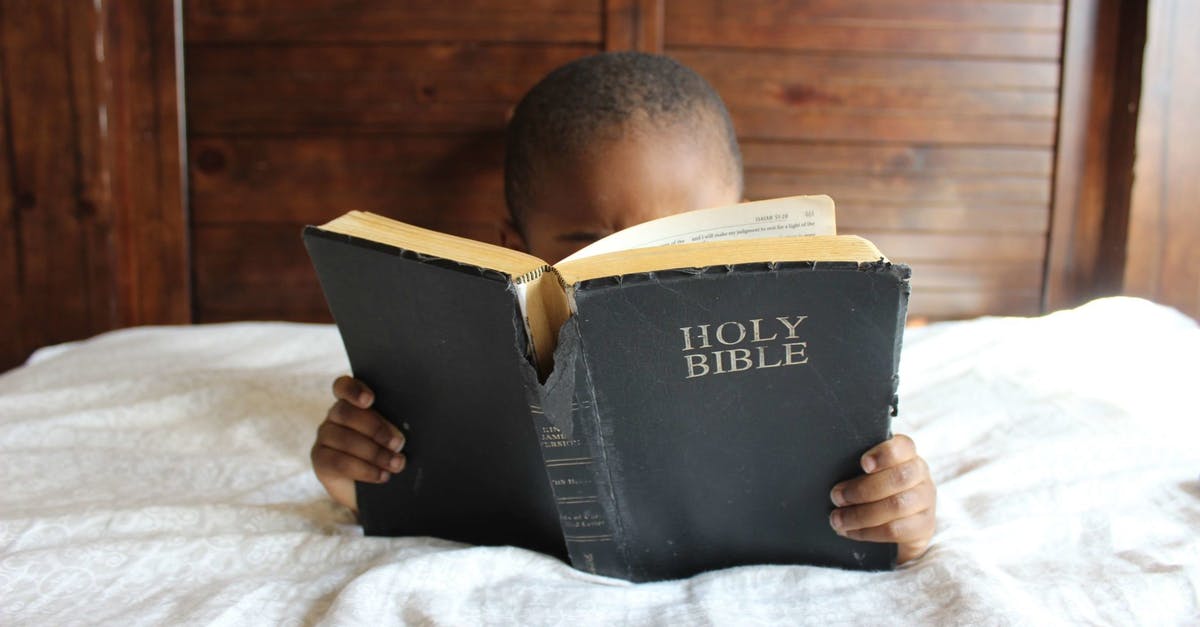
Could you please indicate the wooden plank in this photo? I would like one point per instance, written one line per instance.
(1164, 234)
(853, 217)
(261, 271)
(753, 93)
(401, 88)
(971, 190)
(13, 347)
(911, 247)
(957, 304)
(419, 179)
(896, 159)
(985, 276)
(426, 179)
(1084, 252)
(358, 21)
(892, 126)
(939, 14)
(146, 168)
(723, 66)
(56, 300)
(865, 26)
(633, 25)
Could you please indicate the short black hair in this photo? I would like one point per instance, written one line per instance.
(591, 98)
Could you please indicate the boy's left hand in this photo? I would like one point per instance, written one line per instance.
(893, 502)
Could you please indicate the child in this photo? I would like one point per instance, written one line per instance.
(601, 144)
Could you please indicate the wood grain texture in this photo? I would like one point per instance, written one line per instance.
(56, 223)
(911, 159)
(146, 165)
(358, 21)
(1085, 250)
(958, 29)
(421, 179)
(1164, 234)
(776, 94)
(633, 25)
(931, 122)
(92, 224)
(306, 89)
(13, 343)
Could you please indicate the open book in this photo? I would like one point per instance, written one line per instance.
(716, 236)
(676, 397)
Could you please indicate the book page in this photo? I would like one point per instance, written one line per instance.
(778, 217)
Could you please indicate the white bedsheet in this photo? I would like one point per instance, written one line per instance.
(161, 475)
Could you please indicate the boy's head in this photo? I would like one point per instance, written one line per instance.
(612, 140)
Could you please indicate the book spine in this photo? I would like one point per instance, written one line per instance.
(587, 529)
(564, 415)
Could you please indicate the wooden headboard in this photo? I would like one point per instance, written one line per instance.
(931, 125)
(972, 140)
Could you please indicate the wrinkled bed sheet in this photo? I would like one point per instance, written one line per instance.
(161, 475)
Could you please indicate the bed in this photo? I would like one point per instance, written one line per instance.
(161, 475)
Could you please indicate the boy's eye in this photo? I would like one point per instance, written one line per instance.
(580, 236)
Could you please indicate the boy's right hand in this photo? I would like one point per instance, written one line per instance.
(355, 443)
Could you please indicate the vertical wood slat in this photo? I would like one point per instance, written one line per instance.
(1085, 102)
(634, 25)
(91, 221)
(1164, 231)
(145, 136)
(12, 341)
(57, 223)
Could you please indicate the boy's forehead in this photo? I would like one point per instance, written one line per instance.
(638, 176)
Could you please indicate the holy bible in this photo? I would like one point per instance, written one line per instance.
(678, 397)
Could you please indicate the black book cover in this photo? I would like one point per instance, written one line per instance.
(694, 420)
(713, 411)
(441, 344)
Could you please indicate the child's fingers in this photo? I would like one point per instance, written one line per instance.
(912, 533)
(897, 450)
(332, 461)
(353, 443)
(368, 423)
(353, 391)
(881, 484)
(895, 507)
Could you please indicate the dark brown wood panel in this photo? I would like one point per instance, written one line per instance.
(262, 272)
(146, 164)
(633, 25)
(1101, 66)
(945, 191)
(785, 67)
(975, 29)
(428, 88)
(913, 247)
(422, 179)
(873, 159)
(1164, 234)
(92, 221)
(57, 227)
(357, 21)
(14, 345)
(931, 122)
(977, 275)
(255, 272)
(935, 304)
(891, 126)
(852, 218)
(428, 180)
